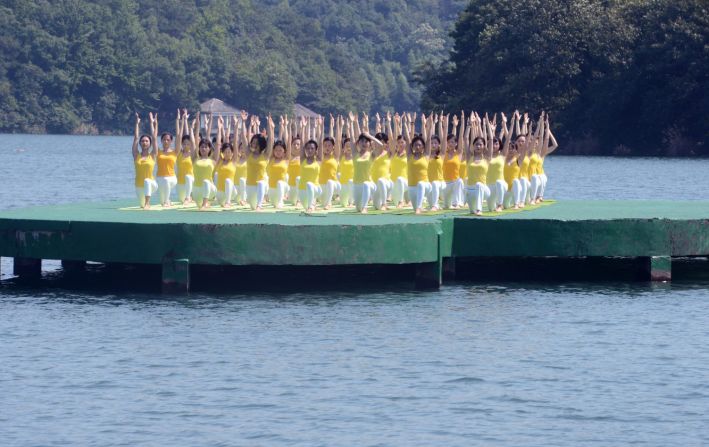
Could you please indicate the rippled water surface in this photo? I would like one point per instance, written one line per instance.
(472, 364)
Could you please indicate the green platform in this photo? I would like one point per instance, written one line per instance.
(104, 233)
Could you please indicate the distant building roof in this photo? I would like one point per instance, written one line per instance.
(301, 110)
(218, 106)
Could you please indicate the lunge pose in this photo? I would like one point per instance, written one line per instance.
(144, 163)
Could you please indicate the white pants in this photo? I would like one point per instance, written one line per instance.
(513, 197)
(308, 195)
(362, 193)
(452, 193)
(277, 194)
(398, 190)
(228, 194)
(165, 187)
(241, 190)
(293, 194)
(185, 190)
(536, 186)
(526, 189)
(543, 187)
(417, 194)
(256, 193)
(206, 190)
(476, 195)
(437, 187)
(329, 189)
(346, 193)
(384, 186)
(497, 194)
(148, 189)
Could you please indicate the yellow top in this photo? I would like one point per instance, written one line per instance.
(166, 163)
(398, 166)
(463, 170)
(255, 169)
(451, 168)
(346, 170)
(381, 166)
(417, 170)
(362, 169)
(240, 171)
(511, 173)
(277, 171)
(495, 169)
(534, 162)
(477, 172)
(184, 167)
(308, 173)
(541, 164)
(293, 171)
(143, 169)
(203, 170)
(225, 171)
(435, 169)
(524, 171)
(328, 169)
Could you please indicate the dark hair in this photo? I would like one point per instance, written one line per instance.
(520, 136)
(145, 135)
(313, 142)
(330, 139)
(363, 137)
(381, 136)
(345, 140)
(261, 141)
(205, 142)
(400, 137)
(296, 137)
(164, 134)
(279, 143)
(494, 139)
(478, 138)
(186, 137)
(450, 135)
(226, 146)
(417, 138)
(435, 137)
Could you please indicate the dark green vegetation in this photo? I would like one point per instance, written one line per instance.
(86, 66)
(617, 76)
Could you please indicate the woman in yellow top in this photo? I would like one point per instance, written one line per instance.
(512, 168)
(225, 168)
(417, 158)
(362, 185)
(477, 162)
(381, 167)
(453, 150)
(435, 170)
(309, 186)
(278, 166)
(296, 144)
(542, 151)
(259, 153)
(329, 182)
(346, 173)
(204, 160)
(495, 172)
(399, 189)
(144, 163)
(166, 160)
(183, 147)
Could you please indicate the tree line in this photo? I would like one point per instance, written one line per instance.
(616, 76)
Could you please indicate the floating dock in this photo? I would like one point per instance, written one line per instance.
(652, 232)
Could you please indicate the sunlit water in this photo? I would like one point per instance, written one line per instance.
(472, 364)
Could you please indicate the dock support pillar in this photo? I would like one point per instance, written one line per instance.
(70, 266)
(429, 275)
(658, 268)
(28, 268)
(175, 276)
(449, 268)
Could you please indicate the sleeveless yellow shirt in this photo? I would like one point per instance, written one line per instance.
(293, 171)
(143, 170)
(435, 169)
(451, 168)
(417, 170)
(346, 170)
(495, 169)
(184, 167)
(511, 173)
(203, 170)
(477, 172)
(166, 164)
(381, 166)
(277, 172)
(328, 170)
(255, 169)
(398, 166)
(362, 169)
(308, 173)
(225, 171)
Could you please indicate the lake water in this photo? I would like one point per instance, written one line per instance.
(513, 364)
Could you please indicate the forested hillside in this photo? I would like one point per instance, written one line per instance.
(617, 76)
(86, 66)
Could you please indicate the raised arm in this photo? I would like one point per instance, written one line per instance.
(136, 137)
(154, 133)
(506, 133)
(443, 132)
(178, 132)
(195, 126)
(220, 131)
(339, 122)
(244, 132)
(461, 132)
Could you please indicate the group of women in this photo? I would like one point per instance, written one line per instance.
(442, 161)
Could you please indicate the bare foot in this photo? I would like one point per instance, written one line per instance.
(227, 205)
(478, 212)
(364, 211)
(258, 209)
(385, 208)
(326, 207)
(417, 211)
(435, 208)
(400, 205)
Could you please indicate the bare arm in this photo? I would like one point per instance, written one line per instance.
(136, 137)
